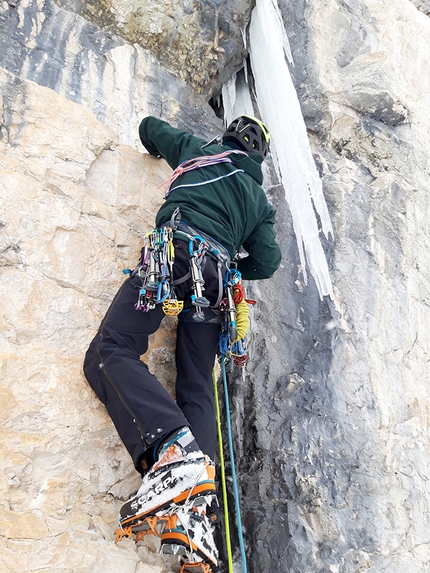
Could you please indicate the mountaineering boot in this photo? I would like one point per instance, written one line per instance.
(189, 533)
(181, 473)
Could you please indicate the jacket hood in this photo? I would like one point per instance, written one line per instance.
(250, 163)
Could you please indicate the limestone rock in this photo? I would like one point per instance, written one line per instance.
(75, 204)
(423, 5)
(343, 483)
(119, 82)
(200, 41)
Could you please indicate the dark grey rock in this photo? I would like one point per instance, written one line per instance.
(60, 50)
(203, 36)
(318, 492)
(423, 6)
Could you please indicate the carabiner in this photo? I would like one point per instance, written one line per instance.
(197, 252)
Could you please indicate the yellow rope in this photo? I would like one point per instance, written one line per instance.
(223, 478)
(242, 320)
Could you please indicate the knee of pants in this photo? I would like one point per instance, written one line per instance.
(92, 369)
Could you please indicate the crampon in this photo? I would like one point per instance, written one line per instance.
(186, 533)
(150, 525)
(199, 567)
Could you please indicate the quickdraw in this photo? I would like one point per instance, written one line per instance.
(197, 249)
(156, 272)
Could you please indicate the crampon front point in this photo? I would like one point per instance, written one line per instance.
(196, 568)
(150, 525)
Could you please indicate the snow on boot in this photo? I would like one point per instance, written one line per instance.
(189, 533)
(181, 473)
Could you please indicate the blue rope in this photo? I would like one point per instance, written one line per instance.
(233, 470)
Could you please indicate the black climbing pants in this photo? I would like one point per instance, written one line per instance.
(139, 406)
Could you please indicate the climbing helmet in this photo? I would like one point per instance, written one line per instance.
(249, 133)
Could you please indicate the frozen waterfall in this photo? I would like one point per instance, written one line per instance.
(280, 110)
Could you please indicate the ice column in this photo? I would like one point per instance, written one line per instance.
(236, 97)
(280, 110)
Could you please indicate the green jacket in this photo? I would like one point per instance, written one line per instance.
(233, 210)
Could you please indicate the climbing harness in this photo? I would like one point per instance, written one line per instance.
(155, 270)
(198, 163)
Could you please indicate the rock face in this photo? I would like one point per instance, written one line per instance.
(119, 82)
(331, 415)
(339, 429)
(62, 254)
(200, 41)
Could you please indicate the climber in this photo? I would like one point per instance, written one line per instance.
(215, 200)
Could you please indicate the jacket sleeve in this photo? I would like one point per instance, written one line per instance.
(264, 252)
(161, 139)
